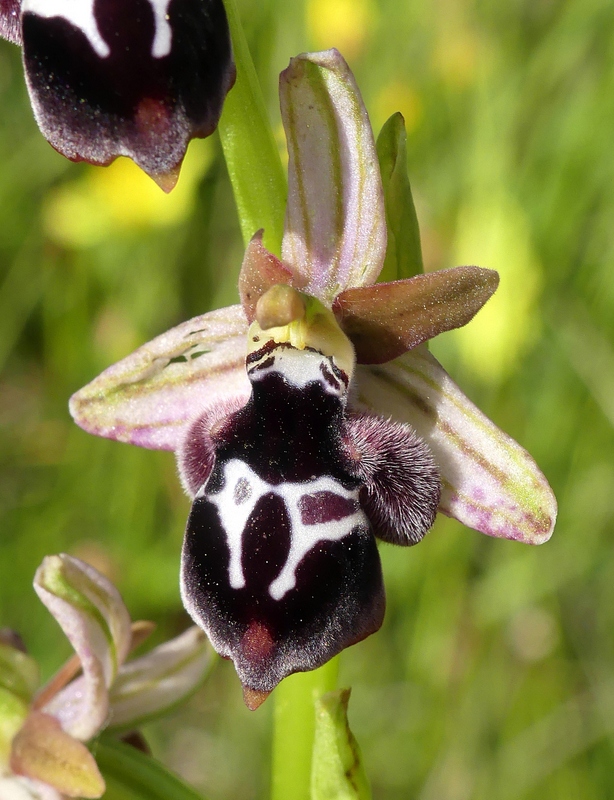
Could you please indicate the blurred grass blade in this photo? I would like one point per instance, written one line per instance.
(13, 712)
(132, 775)
(20, 291)
(404, 253)
(18, 672)
(254, 166)
(337, 770)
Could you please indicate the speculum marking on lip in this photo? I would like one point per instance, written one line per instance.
(317, 510)
(320, 507)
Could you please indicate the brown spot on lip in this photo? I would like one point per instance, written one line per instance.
(257, 642)
(152, 117)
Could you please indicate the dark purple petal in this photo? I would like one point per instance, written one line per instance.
(401, 481)
(127, 77)
(280, 566)
(10, 22)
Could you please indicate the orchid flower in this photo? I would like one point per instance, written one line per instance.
(139, 78)
(42, 733)
(311, 418)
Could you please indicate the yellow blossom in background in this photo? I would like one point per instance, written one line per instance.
(492, 231)
(398, 96)
(458, 48)
(456, 57)
(121, 198)
(344, 24)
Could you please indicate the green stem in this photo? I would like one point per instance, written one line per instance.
(259, 185)
(252, 157)
(293, 730)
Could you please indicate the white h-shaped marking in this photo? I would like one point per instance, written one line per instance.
(80, 13)
(303, 537)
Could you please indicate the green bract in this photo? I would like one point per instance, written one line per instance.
(338, 772)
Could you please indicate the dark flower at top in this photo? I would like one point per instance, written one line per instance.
(311, 419)
(138, 78)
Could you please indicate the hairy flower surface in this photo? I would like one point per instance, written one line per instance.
(138, 78)
(42, 733)
(311, 418)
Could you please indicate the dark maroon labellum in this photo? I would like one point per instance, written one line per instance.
(280, 564)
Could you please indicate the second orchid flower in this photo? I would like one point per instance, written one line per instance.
(138, 79)
(43, 730)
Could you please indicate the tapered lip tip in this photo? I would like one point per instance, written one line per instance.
(167, 180)
(253, 698)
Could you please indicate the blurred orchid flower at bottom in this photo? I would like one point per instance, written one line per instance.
(310, 419)
(42, 733)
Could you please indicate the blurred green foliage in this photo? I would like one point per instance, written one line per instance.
(493, 675)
